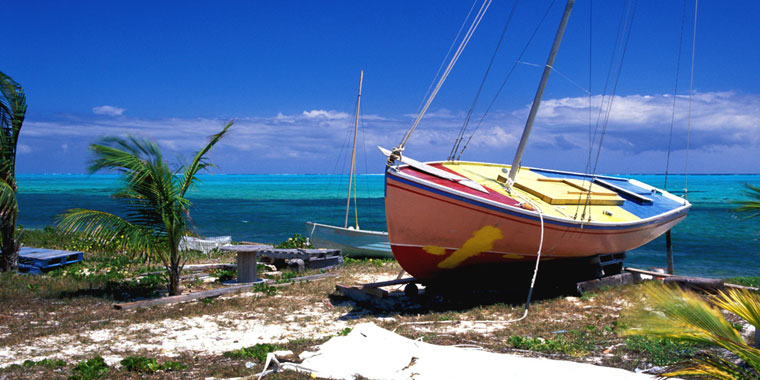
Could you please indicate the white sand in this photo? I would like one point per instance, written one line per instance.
(209, 334)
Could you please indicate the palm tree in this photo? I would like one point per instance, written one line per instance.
(686, 316)
(12, 112)
(157, 215)
(753, 204)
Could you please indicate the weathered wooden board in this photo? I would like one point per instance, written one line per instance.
(213, 293)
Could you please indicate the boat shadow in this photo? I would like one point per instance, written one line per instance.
(467, 289)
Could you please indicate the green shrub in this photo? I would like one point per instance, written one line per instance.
(94, 368)
(263, 287)
(344, 332)
(142, 364)
(224, 274)
(258, 352)
(661, 351)
(297, 241)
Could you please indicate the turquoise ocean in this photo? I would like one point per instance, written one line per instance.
(713, 241)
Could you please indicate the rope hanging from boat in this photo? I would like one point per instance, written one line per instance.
(532, 281)
(675, 93)
(691, 88)
(466, 122)
(475, 22)
(504, 82)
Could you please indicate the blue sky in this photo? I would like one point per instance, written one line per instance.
(176, 71)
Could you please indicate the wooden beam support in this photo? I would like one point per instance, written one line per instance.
(213, 293)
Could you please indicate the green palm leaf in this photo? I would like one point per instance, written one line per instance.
(8, 203)
(157, 212)
(12, 114)
(752, 205)
(199, 162)
(680, 315)
(105, 228)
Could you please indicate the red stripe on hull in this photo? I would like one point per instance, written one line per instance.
(418, 218)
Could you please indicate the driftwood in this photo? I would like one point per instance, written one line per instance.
(213, 293)
(696, 283)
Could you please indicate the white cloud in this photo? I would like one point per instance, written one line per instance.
(23, 149)
(312, 141)
(108, 110)
(324, 114)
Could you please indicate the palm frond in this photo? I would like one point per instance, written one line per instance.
(199, 162)
(681, 315)
(752, 205)
(12, 114)
(8, 202)
(105, 228)
(743, 303)
(712, 367)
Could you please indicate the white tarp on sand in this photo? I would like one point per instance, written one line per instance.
(375, 353)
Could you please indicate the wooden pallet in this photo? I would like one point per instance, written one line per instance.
(374, 295)
(40, 260)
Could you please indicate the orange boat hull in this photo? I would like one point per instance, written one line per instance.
(433, 231)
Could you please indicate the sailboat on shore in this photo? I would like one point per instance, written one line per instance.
(449, 216)
(352, 241)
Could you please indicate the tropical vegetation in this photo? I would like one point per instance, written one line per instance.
(12, 112)
(752, 205)
(157, 210)
(680, 315)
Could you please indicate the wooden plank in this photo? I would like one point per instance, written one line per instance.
(398, 281)
(182, 297)
(245, 248)
(665, 275)
(307, 278)
(648, 272)
(200, 267)
(696, 283)
(735, 286)
(212, 293)
(614, 280)
(354, 293)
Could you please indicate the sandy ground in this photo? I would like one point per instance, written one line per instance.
(203, 335)
(209, 334)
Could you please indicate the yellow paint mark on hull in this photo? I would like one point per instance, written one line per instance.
(512, 256)
(481, 241)
(433, 250)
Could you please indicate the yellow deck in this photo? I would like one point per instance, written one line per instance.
(559, 197)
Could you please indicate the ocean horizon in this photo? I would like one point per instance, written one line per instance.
(712, 241)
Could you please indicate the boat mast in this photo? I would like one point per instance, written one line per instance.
(539, 93)
(353, 157)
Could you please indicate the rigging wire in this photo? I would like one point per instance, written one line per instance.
(675, 92)
(614, 89)
(466, 122)
(590, 67)
(567, 78)
(618, 57)
(340, 161)
(475, 22)
(446, 57)
(509, 75)
(691, 87)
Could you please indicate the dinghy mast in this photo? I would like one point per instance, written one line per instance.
(353, 158)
